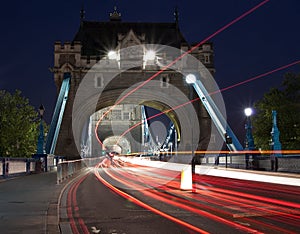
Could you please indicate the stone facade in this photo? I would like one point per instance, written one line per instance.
(92, 43)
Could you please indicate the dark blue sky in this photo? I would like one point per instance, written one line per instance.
(266, 39)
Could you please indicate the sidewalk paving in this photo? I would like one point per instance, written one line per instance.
(28, 204)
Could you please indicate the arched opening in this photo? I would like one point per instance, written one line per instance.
(117, 144)
(134, 128)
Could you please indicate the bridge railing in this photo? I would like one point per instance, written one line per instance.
(67, 169)
(15, 166)
(265, 162)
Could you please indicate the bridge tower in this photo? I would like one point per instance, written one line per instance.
(92, 43)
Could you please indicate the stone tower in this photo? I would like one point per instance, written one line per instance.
(92, 43)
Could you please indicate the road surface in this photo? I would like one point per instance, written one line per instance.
(137, 199)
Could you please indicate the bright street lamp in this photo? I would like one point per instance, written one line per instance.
(248, 112)
(190, 79)
(150, 55)
(112, 55)
(249, 141)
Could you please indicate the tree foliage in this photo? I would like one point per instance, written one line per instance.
(18, 125)
(286, 101)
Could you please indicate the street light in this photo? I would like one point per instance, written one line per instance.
(40, 144)
(249, 142)
(150, 55)
(191, 80)
(248, 112)
(112, 55)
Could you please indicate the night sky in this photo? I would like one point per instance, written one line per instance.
(265, 40)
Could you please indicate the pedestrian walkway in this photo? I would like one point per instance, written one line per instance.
(28, 204)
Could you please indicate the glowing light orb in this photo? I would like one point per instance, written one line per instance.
(112, 55)
(190, 79)
(248, 111)
(150, 55)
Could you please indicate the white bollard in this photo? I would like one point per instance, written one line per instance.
(186, 179)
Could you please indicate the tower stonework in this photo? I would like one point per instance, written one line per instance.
(92, 43)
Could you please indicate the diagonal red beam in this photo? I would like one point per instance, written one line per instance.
(177, 59)
(218, 91)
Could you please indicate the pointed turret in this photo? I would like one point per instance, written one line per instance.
(115, 16)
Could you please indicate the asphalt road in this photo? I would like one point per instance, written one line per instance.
(103, 210)
(219, 205)
(145, 200)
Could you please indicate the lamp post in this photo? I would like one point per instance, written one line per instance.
(40, 143)
(191, 79)
(249, 142)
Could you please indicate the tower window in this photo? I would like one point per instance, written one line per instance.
(164, 81)
(99, 81)
(206, 58)
(126, 116)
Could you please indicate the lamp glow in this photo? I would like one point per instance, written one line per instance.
(112, 55)
(190, 79)
(150, 55)
(248, 112)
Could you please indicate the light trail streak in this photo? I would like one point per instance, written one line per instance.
(199, 179)
(252, 186)
(144, 205)
(252, 207)
(259, 198)
(256, 77)
(246, 205)
(177, 59)
(173, 202)
(212, 197)
(72, 205)
(215, 92)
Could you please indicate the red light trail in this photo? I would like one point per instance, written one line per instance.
(177, 59)
(217, 91)
(257, 77)
(144, 205)
(72, 210)
(237, 204)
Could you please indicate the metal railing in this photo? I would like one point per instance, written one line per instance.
(262, 162)
(67, 169)
(15, 166)
(248, 160)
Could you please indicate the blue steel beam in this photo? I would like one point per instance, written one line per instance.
(170, 136)
(217, 117)
(58, 115)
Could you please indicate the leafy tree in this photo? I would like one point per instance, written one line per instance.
(286, 101)
(18, 125)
